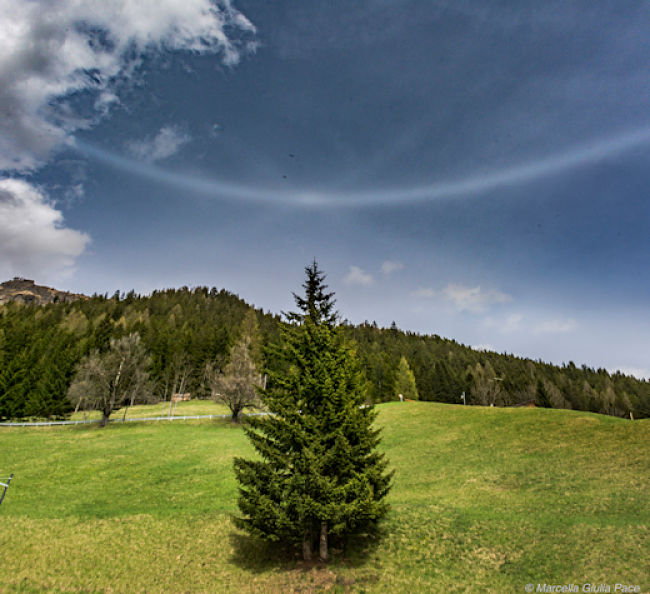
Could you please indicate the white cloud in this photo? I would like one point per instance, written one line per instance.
(33, 239)
(484, 347)
(165, 144)
(424, 292)
(52, 50)
(555, 326)
(390, 266)
(473, 299)
(637, 372)
(75, 192)
(357, 276)
(511, 323)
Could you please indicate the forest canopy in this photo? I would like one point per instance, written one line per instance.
(188, 333)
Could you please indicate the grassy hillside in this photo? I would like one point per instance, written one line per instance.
(484, 499)
(160, 409)
(188, 332)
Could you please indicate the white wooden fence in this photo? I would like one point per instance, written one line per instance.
(133, 420)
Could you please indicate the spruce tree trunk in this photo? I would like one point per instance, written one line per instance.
(323, 541)
(306, 546)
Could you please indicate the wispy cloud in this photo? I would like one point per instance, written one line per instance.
(555, 326)
(48, 55)
(390, 266)
(166, 143)
(424, 293)
(462, 298)
(358, 276)
(512, 323)
(506, 325)
(473, 299)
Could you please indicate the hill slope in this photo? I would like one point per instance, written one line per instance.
(187, 331)
(484, 499)
(26, 291)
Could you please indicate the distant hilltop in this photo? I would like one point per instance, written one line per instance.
(26, 291)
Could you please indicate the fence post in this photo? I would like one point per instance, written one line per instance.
(6, 486)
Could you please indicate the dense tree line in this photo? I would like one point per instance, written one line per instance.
(444, 369)
(189, 335)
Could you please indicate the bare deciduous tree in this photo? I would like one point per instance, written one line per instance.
(108, 381)
(487, 388)
(237, 386)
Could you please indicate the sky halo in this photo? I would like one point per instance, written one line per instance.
(519, 174)
(479, 172)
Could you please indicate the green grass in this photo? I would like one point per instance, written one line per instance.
(161, 409)
(484, 500)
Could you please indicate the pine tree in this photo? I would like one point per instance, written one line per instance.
(541, 396)
(319, 474)
(405, 381)
(12, 392)
(101, 339)
(446, 387)
(441, 386)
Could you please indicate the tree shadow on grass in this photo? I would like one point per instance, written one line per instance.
(357, 550)
(257, 556)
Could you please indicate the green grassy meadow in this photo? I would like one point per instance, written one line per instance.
(484, 500)
(162, 409)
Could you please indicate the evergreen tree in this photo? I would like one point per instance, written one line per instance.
(319, 472)
(447, 388)
(12, 387)
(405, 381)
(18, 381)
(102, 333)
(188, 330)
(541, 396)
(441, 388)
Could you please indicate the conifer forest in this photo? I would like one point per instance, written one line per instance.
(188, 335)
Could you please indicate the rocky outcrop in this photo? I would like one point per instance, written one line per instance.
(28, 292)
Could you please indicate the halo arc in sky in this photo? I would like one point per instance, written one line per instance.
(471, 185)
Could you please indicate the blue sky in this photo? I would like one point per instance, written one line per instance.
(475, 170)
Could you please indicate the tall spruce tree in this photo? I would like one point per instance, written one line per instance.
(320, 474)
(541, 396)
